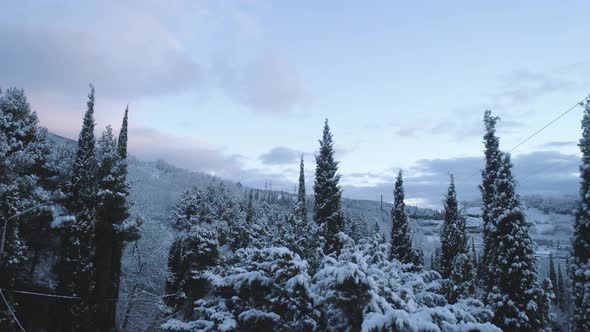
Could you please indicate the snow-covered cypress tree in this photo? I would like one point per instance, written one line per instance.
(462, 278)
(489, 174)
(401, 241)
(111, 212)
(301, 208)
(436, 259)
(517, 299)
(553, 275)
(122, 139)
(250, 210)
(474, 255)
(561, 294)
(580, 257)
(76, 268)
(327, 208)
(452, 237)
(419, 258)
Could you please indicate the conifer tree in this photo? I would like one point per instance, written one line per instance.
(250, 210)
(419, 259)
(552, 275)
(489, 174)
(327, 208)
(436, 260)
(301, 208)
(453, 238)
(76, 268)
(122, 139)
(516, 298)
(580, 260)
(111, 212)
(401, 241)
(474, 255)
(462, 276)
(432, 262)
(561, 294)
(24, 154)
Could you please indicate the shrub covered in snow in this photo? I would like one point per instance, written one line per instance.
(359, 290)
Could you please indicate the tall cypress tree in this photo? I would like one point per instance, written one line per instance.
(517, 299)
(561, 294)
(553, 275)
(112, 211)
(301, 208)
(474, 255)
(76, 268)
(580, 262)
(401, 241)
(489, 174)
(122, 140)
(327, 210)
(453, 238)
(250, 209)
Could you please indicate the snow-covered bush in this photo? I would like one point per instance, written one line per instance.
(264, 289)
(363, 290)
(359, 290)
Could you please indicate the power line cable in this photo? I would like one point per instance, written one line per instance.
(547, 125)
(77, 297)
(559, 162)
(12, 312)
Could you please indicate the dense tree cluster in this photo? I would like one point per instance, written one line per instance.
(245, 259)
(76, 200)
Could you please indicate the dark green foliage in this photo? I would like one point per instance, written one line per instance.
(474, 255)
(327, 208)
(76, 268)
(122, 139)
(553, 276)
(462, 278)
(24, 175)
(489, 173)
(452, 236)
(580, 257)
(517, 298)
(401, 241)
(301, 207)
(190, 254)
(561, 291)
(111, 229)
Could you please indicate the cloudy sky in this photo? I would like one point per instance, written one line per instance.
(241, 88)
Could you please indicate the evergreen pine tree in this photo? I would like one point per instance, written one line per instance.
(301, 208)
(580, 258)
(401, 241)
(489, 174)
(474, 255)
(327, 208)
(552, 275)
(561, 294)
(76, 268)
(250, 210)
(453, 238)
(517, 298)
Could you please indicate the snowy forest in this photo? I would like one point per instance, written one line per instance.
(93, 239)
